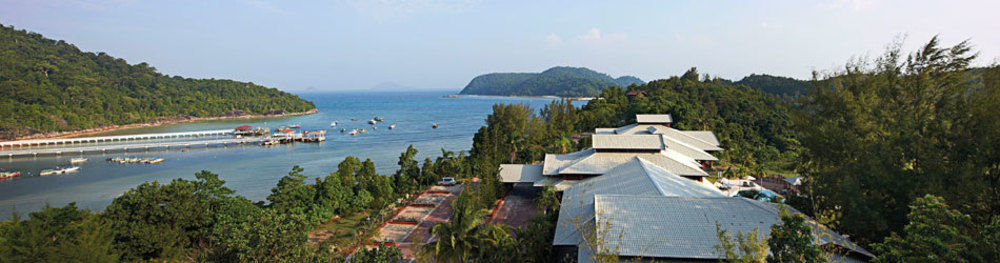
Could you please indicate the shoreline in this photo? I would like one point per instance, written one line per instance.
(519, 96)
(91, 131)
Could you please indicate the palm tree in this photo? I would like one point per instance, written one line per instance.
(457, 238)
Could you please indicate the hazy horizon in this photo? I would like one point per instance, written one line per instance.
(441, 45)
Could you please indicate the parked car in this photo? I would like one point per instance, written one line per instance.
(447, 181)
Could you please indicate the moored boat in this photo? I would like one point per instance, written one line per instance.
(156, 160)
(8, 175)
(77, 160)
(59, 170)
(334, 123)
(392, 126)
(435, 126)
(372, 122)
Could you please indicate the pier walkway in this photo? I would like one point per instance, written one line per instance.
(13, 144)
(127, 147)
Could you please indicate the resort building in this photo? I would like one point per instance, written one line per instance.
(641, 192)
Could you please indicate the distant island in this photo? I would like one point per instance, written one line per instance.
(50, 87)
(556, 81)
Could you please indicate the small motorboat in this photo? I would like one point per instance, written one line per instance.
(372, 122)
(363, 130)
(333, 124)
(155, 160)
(59, 170)
(77, 160)
(435, 126)
(296, 126)
(343, 129)
(354, 132)
(8, 175)
(374, 127)
(354, 119)
(392, 126)
(377, 118)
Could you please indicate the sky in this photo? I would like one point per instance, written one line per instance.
(441, 45)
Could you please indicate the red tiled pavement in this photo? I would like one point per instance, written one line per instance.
(518, 206)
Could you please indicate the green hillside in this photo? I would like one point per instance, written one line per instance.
(49, 85)
(557, 81)
(776, 85)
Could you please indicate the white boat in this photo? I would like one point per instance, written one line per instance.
(332, 124)
(392, 126)
(372, 122)
(59, 170)
(77, 160)
(353, 132)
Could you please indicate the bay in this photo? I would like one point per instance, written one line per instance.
(253, 170)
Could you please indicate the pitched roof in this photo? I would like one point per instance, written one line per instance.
(707, 136)
(627, 142)
(685, 227)
(653, 118)
(704, 140)
(520, 173)
(635, 177)
(591, 162)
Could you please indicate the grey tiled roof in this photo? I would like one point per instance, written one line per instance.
(520, 173)
(635, 177)
(693, 138)
(627, 142)
(590, 162)
(685, 227)
(707, 136)
(653, 118)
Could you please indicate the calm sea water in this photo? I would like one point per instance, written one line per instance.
(253, 170)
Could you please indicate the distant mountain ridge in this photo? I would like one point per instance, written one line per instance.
(556, 81)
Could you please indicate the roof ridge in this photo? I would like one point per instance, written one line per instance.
(645, 170)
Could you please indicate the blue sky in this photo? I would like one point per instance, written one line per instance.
(441, 45)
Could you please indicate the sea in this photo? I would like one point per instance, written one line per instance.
(252, 170)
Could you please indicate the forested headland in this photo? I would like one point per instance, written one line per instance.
(49, 85)
(556, 81)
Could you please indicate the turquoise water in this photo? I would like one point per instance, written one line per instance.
(253, 170)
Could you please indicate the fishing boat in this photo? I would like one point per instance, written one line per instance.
(392, 126)
(8, 175)
(435, 126)
(77, 160)
(334, 123)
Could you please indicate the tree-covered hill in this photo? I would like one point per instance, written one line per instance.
(49, 85)
(556, 81)
(776, 85)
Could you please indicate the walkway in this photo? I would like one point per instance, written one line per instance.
(12, 144)
(518, 206)
(126, 147)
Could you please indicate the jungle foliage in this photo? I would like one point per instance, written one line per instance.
(49, 85)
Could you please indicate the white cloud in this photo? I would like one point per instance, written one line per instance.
(394, 9)
(265, 6)
(595, 36)
(853, 5)
(553, 40)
